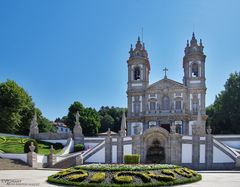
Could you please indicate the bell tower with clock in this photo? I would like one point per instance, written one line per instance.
(138, 81)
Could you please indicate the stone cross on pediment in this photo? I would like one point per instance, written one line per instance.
(165, 70)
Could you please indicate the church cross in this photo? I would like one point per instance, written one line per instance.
(165, 69)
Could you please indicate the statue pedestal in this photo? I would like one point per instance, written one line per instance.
(79, 139)
(77, 134)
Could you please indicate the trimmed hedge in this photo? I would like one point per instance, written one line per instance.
(109, 178)
(132, 159)
(98, 177)
(78, 177)
(126, 177)
(78, 147)
(28, 143)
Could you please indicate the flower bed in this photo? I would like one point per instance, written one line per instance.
(125, 175)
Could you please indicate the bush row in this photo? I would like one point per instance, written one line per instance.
(78, 147)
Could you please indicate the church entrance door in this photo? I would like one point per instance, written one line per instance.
(166, 126)
(155, 153)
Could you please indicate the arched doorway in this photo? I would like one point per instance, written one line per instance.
(155, 153)
(155, 146)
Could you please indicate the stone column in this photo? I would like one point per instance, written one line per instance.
(136, 144)
(51, 157)
(119, 149)
(79, 160)
(209, 151)
(195, 151)
(108, 148)
(32, 157)
(175, 148)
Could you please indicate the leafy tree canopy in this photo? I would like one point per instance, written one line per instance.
(89, 119)
(16, 107)
(224, 114)
(111, 118)
(17, 110)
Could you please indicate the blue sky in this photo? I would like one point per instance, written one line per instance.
(66, 51)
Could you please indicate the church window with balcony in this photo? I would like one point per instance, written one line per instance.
(178, 105)
(195, 103)
(136, 104)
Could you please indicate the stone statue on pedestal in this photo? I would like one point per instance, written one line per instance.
(77, 130)
(34, 127)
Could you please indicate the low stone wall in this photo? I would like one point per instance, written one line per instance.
(22, 157)
(52, 136)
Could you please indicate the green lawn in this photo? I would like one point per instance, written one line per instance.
(16, 145)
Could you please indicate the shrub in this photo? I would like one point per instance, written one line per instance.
(126, 177)
(57, 146)
(164, 178)
(132, 159)
(28, 143)
(169, 172)
(80, 176)
(78, 147)
(184, 173)
(98, 177)
(119, 179)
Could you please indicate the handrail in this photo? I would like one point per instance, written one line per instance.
(226, 148)
(96, 148)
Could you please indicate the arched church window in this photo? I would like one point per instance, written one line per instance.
(137, 73)
(195, 72)
(165, 103)
(152, 105)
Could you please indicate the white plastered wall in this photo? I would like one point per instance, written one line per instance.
(127, 149)
(114, 154)
(98, 157)
(186, 153)
(220, 157)
(202, 153)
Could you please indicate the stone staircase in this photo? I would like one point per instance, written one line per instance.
(70, 160)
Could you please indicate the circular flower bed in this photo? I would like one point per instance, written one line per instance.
(125, 175)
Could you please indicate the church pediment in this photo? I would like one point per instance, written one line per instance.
(166, 84)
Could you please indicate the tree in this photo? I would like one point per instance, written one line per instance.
(16, 108)
(44, 124)
(89, 119)
(106, 122)
(224, 114)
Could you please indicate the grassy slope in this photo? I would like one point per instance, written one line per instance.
(16, 145)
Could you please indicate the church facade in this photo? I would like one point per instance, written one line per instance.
(166, 103)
